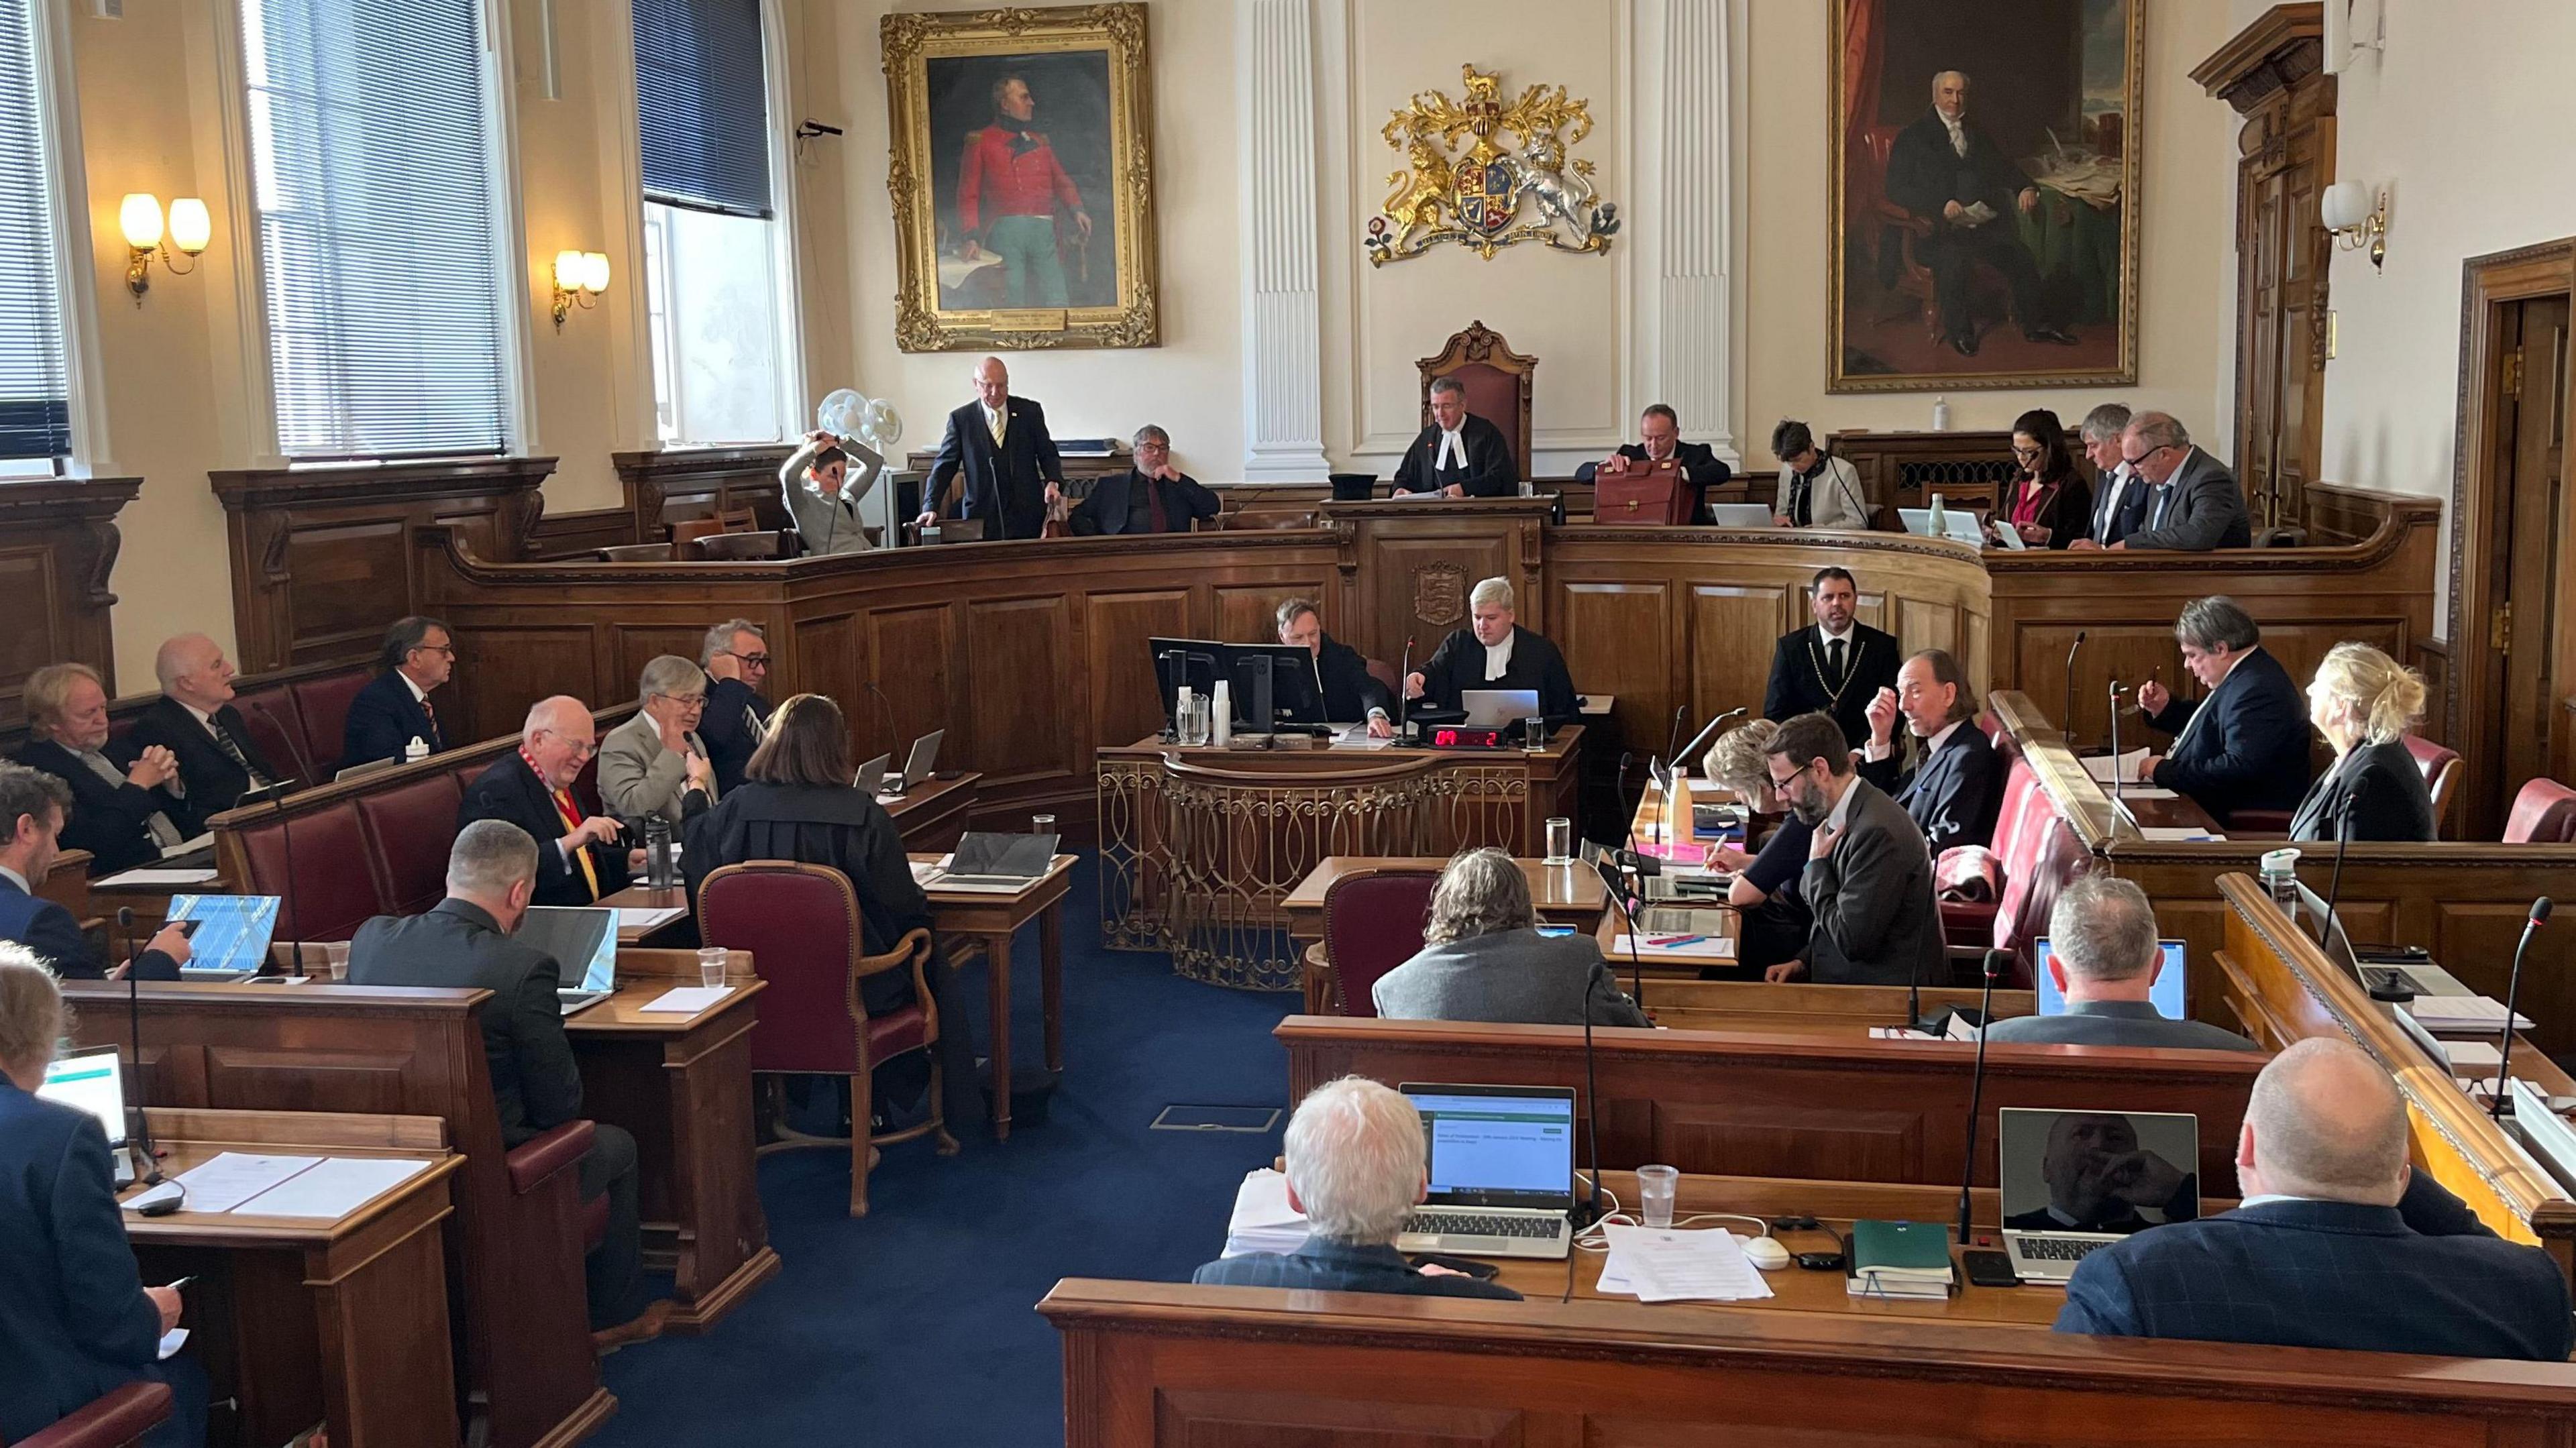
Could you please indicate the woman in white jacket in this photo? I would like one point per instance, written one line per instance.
(1817, 489)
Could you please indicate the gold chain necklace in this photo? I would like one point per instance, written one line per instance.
(1851, 668)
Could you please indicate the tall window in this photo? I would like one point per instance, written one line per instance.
(372, 153)
(35, 368)
(718, 263)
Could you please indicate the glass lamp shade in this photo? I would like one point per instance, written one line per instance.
(190, 227)
(139, 216)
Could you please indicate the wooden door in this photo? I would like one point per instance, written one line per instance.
(2527, 671)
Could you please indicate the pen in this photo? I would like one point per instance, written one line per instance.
(1673, 940)
(182, 1282)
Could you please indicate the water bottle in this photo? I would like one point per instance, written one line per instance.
(1940, 414)
(1940, 517)
(1221, 715)
(2281, 878)
(416, 751)
(1182, 701)
(660, 871)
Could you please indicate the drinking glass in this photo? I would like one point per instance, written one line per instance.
(711, 966)
(1560, 840)
(1655, 1187)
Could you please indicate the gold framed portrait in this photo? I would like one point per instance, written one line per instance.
(1022, 177)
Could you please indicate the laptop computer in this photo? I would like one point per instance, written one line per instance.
(917, 765)
(1502, 1171)
(93, 1081)
(232, 935)
(579, 938)
(1495, 708)
(1959, 525)
(2168, 993)
(872, 774)
(1740, 515)
(2075, 1182)
(988, 859)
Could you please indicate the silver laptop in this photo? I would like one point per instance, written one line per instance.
(1959, 525)
(1740, 515)
(2075, 1182)
(918, 764)
(1494, 708)
(1502, 1171)
(872, 774)
(580, 938)
(93, 1081)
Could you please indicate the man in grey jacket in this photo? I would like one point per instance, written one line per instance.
(1869, 874)
(2104, 955)
(2193, 502)
(1482, 959)
(654, 763)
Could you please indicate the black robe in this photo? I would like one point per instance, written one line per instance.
(1458, 665)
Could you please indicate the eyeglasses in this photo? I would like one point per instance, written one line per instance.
(2142, 457)
(581, 748)
(2025, 452)
(685, 701)
(757, 661)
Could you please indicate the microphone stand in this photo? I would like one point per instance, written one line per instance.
(1403, 680)
(1977, 1085)
(2334, 884)
(2119, 804)
(2512, 990)
(286, 846)
(147, 1164)
(2068, 723)
(894, 736)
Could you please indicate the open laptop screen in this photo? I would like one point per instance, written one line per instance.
(581, 939)
(2097, 1171)
(1498, 1146)
(233, 931)
(91, 1082)
(2167, 993)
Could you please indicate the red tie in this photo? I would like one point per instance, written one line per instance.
(1154, 496)
(430, 714)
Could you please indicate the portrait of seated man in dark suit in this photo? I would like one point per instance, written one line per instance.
(1949, 174)
(2101, 1180)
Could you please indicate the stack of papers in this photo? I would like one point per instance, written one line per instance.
(649, 919)
(1263, 1221)
(2462, 1013)
(2100, 766)
(687, 999)
(1674, 947)
(2176, 834)
(1899, 1259)
(322, 1187)
(1666, 1264)
(2472, 1056)
(148, 877)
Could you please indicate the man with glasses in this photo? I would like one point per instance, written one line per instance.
(655, 763)
(394, 709)
(736, 658)
(2119, 496)
(1151, 497)
(2245, 744)
(2193, 503)
(1869, 874)
(579, 858)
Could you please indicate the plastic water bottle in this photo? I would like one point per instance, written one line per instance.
(1182, 698)
(2281, 879)
(660, 872)
(416, 751)
(1940, 414)
(1221, 715)
(1940, 517)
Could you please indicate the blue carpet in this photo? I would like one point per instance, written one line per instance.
(917, 1323)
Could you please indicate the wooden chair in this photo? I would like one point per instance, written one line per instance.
(1497, 380)
(801, 924)
(1373, 922)
(636, 553)
(689, 530)
(2544, 813)
(2441, 768)
(117, 1420)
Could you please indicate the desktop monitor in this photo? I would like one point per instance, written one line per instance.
(2168, 993)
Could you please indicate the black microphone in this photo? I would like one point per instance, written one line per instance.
(2513, 989)
(894, 736)
(1995, 962)
(2068, 723)
(260, 707)
(1619, 791)
(294, 926)
(1628, 906)
(2119, 806)
(1672, 742)
(1591, 1128)
(1403, 675)
(147, 1168)
(2334, 883)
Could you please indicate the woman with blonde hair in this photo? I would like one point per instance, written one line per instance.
(2363, 702)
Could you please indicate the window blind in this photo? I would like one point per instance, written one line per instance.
(372, 154)
(35, 389)
(702, 105)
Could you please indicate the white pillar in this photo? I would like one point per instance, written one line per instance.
(1688, 300)
(1283, 399)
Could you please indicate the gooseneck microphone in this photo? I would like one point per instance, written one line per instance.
(260, 707)
(1591, 1126)
(2512, 990)
(1403, 677)
(2119, 805)
(147, 1168)
(2068, 723)
(1996, 960)
(2334, 882)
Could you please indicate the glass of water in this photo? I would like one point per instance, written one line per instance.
(1042, 824)
(1560, 840)
(711, 966)
(1655, 1188)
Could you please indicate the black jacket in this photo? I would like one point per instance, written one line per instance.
(1491, 471)
(2381, 788)
(1350, 692)
(1954, 793)
(731, 728)
(535, 1080)
(1798, 685)
(1105, 511)
(1005, 485)
(1459, 665)
(383, 721)
(510, 790)
(1876, 920)
(1924, 175)
(49, 930)
(214, 782)
(2119, 508)
(1702, 469)
(2067, 513)
(845, 829)
(2249, 748)
(107, 820)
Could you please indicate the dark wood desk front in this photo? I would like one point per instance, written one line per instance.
(301, 1320)
(1844, 1012)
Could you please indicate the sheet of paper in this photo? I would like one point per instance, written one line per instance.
(2100, 766)
(1900, 1033)
(173, 1340)
(1357, 737)
(332, 1188)
(687, 999)
(649, 919)
(234, 1177)
(2472, 1055)
(1673, 1265)
(149, 877)
(2175, 834)
(2145, 791)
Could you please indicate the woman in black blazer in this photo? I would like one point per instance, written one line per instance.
(2047, 502)
(2363, 702)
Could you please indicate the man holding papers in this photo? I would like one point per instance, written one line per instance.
(2245, 745)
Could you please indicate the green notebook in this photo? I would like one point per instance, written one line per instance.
(1917, 1246)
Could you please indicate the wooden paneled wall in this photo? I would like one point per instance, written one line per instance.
(58, 543)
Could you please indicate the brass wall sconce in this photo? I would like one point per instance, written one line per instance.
(2357, 221)
(139, 217)
(580, 276)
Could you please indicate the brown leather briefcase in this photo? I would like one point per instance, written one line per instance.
(1646, 493)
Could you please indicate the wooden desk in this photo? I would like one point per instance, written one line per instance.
(991, 921)
(301, 1319)
(1847, 1012)
(682, 1085)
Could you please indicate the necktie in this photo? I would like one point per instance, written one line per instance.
(994, 419)
(1834, 659)
(155, 824)
(1799, 508)
(233, 752)
(571, 813)
(1154, 495)
(431, 715)
(2164, 502)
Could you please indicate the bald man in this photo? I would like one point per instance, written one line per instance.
(581, 856)
(2336, 1244)
(195, 720)
(999, 444)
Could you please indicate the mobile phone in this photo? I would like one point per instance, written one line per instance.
(187, 928)
(1821, 1261)
(1989, 1269)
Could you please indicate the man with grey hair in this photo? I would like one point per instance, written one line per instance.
(1457, 454)
(2193, 503)
(1349, 693)
(1495, 652)
(2104, 957)
(2119, 497)
(195, 720)
(1152, 496)
(999, 448)
(736, 718)
(33, 805)
(1484, 958)
(464, 943)
(1356, 1168)
(2245, 744)
(655, 764)
(2337, 1243)
(1966, 195)
(123, 811)
(581, 858)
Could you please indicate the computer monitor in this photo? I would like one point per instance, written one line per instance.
(2168, 993)
(1199, 663)
(1498, 708)
(2079, 1171)
(872, 774)
(581, 939)
(232, 934)
(1498, 1146)
(90, 1081)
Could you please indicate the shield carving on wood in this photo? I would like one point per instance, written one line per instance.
(1439, 593)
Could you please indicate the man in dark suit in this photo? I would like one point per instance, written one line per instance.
(1494, 652)
(123, 811)
(394, 709)
(1956, 787)
(1834, 665)
(32, 806)
(1956, 180)
(2244, 745)
(1460, 455)
(195, 720)
(2104, 955)
(999, 444)
(2329, 1247)
(1356, 1167)
(2119, 494)
(2192, 501)
(464, 944)
(1341, 676)
(1868, 877)
(1659, 433)
(1151, 497)
(736, 658)
(580, 858)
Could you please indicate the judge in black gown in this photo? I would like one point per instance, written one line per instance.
(1349, 693)
(2363, 701)
(1460, 455)
(797, 802)
(1493, 652)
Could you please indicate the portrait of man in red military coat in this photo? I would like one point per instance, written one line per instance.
(1020, 234)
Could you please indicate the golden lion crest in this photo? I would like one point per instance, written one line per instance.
(1476, 198)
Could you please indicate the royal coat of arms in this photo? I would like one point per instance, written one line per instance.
(1439, 593)
(1476, 199)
